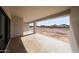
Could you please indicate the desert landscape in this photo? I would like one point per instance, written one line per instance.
(62, 34)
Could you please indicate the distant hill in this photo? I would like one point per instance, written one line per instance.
(55, 26)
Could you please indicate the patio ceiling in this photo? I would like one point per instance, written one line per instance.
(31, 13)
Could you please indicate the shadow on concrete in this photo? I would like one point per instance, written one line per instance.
(16, 46)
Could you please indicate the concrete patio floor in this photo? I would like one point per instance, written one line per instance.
(37, 43)
(40, 43)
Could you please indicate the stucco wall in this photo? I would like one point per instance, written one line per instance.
(16, 26)
(74, 20)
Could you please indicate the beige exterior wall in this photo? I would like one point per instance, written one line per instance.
(74, 20)
(16, 26)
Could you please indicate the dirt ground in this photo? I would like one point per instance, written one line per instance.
(62, 34)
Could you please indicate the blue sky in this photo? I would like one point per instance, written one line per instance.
(58, 21)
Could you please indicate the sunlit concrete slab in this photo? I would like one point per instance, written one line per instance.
(27, 32)
(38, 43)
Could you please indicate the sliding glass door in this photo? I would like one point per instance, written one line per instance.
(4, 30)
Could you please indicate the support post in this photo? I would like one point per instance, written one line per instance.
(34, 28)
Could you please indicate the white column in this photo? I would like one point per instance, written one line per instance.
(34, 28)
(16, 26)
(25, 27)
(74, 21)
